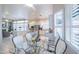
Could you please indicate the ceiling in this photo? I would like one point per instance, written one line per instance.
(15, 11)
(21, 11)
(44, 10)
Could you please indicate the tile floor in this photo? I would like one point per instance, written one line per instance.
(6, 46)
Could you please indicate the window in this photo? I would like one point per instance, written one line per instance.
(59, 23)
(75, 26)
(20, 25)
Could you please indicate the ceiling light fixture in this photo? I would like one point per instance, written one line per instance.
(30, 5)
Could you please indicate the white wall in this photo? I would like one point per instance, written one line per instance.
(51, 21)
(0, 30)
(0, 23)
(68, 21)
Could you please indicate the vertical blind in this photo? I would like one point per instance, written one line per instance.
(75, 26)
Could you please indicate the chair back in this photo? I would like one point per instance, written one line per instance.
(20, 43)
(60, 46)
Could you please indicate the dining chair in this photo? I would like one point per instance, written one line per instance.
(21, 45)
(60, 47)
(33, 38)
